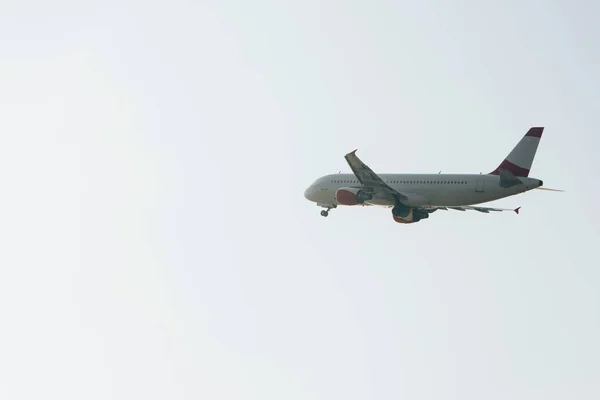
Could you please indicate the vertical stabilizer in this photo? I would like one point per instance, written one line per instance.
(520, 159)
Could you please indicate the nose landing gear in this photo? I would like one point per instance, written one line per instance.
(325, 213)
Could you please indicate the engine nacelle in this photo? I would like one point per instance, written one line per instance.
(408, 215)
(401, 220)
(348, 196)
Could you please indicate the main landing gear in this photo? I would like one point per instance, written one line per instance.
(325, 213)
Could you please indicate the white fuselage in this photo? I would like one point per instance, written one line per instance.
(424, 189)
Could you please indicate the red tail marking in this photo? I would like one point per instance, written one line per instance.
(535, 132)
(514, 169)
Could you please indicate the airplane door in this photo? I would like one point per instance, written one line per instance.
(479, 185)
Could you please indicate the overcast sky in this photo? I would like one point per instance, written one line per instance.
(156, 243)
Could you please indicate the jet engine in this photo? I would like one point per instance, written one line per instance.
(348, 196)
(408, 215)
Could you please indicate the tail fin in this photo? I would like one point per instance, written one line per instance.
(520, 159)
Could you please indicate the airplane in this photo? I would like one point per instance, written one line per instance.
(412, 197)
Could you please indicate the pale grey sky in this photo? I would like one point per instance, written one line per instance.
(155, 239)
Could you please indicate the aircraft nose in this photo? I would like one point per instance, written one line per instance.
(541, 183)
(307, 193)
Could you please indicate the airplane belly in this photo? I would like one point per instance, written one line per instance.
(468, 197)
(413, 200)
(458, 198)
(416, 200)
(380, 202)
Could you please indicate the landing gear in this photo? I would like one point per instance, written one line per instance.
(325, 213)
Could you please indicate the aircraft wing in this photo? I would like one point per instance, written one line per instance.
(367, 177)
(475, 208)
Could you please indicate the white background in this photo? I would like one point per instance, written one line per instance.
(156, 244)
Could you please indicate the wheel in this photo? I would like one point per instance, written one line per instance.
(324, 213)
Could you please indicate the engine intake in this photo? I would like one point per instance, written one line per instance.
(352, 196)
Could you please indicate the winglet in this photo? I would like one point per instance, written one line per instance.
(517, 209)
(352, 152)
